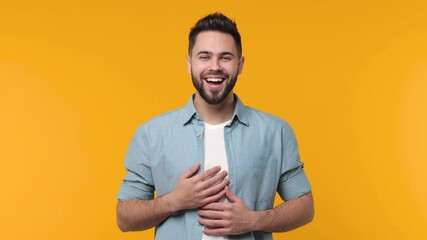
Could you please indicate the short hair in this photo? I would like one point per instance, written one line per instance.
(215, 22)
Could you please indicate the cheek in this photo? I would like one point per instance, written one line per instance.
(232, 70)
(195, 72)
(199, 69)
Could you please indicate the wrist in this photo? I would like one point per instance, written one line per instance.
(170, 204)
(257, 220)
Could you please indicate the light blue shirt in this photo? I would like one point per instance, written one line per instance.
(262, 156)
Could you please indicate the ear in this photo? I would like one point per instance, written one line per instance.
(241, 62)
(188, 64)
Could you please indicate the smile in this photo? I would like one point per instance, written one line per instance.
(214, 80)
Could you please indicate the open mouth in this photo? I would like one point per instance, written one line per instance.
(214, 80)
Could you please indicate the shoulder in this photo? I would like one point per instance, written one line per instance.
(272, 126)
(262, 118)
(166, 118)
(268, 123)
(162, 121)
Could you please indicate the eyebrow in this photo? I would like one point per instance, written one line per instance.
(211, 53)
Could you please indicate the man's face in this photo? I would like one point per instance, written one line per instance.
(214, 66)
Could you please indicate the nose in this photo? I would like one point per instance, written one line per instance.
(216, 64)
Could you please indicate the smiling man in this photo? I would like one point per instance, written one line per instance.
(214, 63)
(214, 164)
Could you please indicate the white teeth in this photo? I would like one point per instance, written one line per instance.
(214, 79)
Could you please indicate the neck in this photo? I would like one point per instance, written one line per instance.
(215, 114)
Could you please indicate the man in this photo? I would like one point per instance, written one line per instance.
(214, 164)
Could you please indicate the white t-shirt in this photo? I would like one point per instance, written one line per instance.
(215, 155)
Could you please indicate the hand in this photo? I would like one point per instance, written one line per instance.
(222, 219)
(193, 191)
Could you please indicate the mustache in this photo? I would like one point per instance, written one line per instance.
(217, 73)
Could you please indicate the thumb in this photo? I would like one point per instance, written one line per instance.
(230, 195)
(191, 171)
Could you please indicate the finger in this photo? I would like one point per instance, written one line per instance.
(214, 189)
(209, 173)
(216, 231)
(191, 171)
(230, 195)
(215, 206)
(208, 214)
(212, 223)
(214, 179)
(214, 198)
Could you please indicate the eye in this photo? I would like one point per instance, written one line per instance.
(203, 57)
(226, 58)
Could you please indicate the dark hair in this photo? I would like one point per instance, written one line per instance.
(215, 22)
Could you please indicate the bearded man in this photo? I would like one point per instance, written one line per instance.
(214, 164)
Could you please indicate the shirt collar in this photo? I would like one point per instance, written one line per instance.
(240, 111)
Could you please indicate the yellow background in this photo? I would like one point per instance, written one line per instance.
(78, 77)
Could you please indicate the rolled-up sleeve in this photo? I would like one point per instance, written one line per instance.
(293, 181)
(138, 183)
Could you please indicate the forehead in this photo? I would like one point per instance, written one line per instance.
(214, 42)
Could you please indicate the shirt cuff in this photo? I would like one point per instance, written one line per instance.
(128, 192)
(294, 187)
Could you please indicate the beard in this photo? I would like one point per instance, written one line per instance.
(218, 96)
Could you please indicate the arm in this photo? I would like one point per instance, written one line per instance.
(237, 218)
(191, 191)
(287, 216)
(135, 215)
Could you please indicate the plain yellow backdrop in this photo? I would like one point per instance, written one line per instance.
(78, 77)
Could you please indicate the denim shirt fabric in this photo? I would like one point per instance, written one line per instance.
(262, 155)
